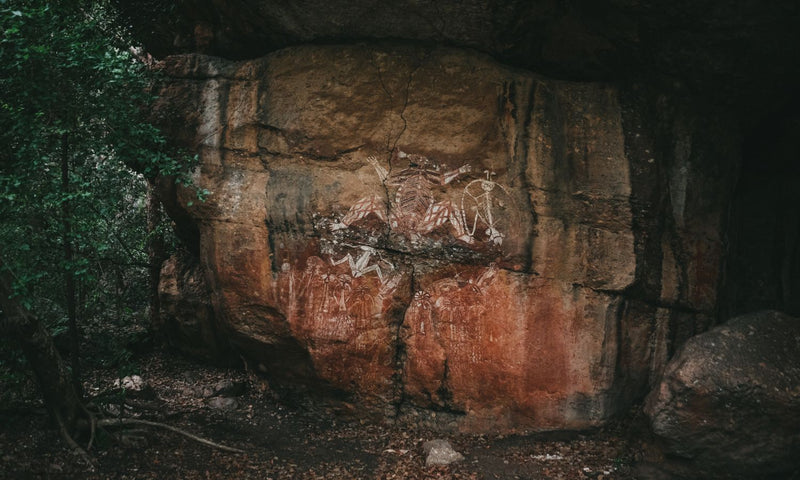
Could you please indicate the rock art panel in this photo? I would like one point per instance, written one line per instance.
(339, 309)
(507, 349)
(344, 293)
(422, 226)
(422, 202)
(415, 211)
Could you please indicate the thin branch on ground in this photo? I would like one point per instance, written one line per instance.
(110, 422)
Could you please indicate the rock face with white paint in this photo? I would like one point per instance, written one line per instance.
(427, 227)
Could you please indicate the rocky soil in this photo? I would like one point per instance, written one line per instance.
(283, 437)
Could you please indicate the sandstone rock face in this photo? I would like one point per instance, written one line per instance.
(730, 399)
(428, 227)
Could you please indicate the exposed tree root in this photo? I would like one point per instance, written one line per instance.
(110, 422)
(76, 449)
(92, 426)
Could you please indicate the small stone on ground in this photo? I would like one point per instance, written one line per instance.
(440, 452)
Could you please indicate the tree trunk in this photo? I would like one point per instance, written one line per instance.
(69, 274)
(156, 252)
(52, 374)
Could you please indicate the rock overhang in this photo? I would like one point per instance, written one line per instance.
(740, 53)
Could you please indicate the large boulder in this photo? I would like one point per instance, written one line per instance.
(729, 402)
(425, 226)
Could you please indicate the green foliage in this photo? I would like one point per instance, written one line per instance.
(72, 91)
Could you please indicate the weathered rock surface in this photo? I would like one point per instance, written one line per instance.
(426, 226)
(729, 401)
(187, 316)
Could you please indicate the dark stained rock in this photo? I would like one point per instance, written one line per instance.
(187, 316)
(729, 402)
(426, 226)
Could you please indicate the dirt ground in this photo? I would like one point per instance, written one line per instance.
(281, 438)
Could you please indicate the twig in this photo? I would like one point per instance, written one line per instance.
(135, 421)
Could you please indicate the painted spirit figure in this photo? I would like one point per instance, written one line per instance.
(483, 199)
